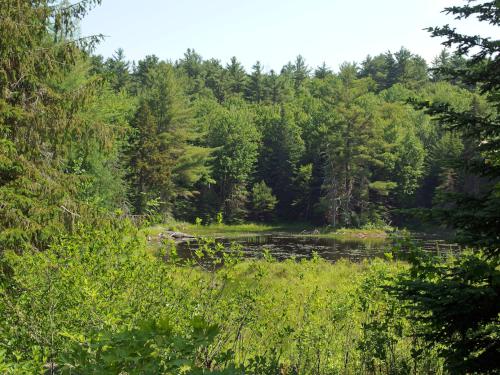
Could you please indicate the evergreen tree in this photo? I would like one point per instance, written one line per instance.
(236, 77)
(215, 78)
(457, 302)
(192, 66)
(117, 70)
(95, 147)
(322, 71)
(352, 145)
(192, 63)
(409, 164)
(39, 121)
(280, 153)
(303, 185)
(379, 68)
(255, 91)
(150, 168)
(300, 72)
(279, 88)
(166, 166)
(409, 70)
(447, 62)
(141, 72)
(440, 62)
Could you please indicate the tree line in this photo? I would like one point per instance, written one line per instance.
(344, 148)
(195, 138)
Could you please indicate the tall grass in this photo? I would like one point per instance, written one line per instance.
(302, 229)
(100, 299)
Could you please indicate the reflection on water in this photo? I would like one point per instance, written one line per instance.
(284, 246)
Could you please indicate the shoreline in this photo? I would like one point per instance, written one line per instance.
(252, 229)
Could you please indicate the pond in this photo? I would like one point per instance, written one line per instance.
(284, 246)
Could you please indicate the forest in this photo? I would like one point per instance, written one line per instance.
(94, 151)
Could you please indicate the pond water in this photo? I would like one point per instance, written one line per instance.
(284, 246)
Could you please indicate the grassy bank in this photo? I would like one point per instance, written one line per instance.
(352, 234)
(99, 302)
(248, 229)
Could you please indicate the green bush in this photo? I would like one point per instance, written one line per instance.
(98, 302)
(263, 202)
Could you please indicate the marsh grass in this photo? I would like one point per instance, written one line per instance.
(293, 229)
(291, 317)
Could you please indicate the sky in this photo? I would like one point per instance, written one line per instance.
(271, 31)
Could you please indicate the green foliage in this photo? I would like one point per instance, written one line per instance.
(409, 164)
(204, 132)
(383, 187)
(150, 348)
(303, 184)
(280, 152)
(84, 140)
(382, 330)
(236, 77)
(152, 211)
(117, 70)
(163, 160)
(95, 148)
(263, 201)
(455, 305)
(60, 126)
(353, 146)
(392, 68)
(456, 301)
(283, 122)
(219, 218)
(98, 302)
(256, 91)
(234, 136)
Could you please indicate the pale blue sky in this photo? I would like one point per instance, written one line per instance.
(272, 31)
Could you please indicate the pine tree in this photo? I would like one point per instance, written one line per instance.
(141, 72)
(383, 69)
(192, 63)
(167, 166)
(300, 72)
(279, 88)
(117, 70)
(280, 153)
(409, 70)
(456, 303)
(215, 79)
(38, 49)
(322, 71)
(236, 77)
(192, 66)
(150, 169)
(255, 91)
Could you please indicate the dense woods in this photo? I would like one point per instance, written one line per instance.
(194, 137)
(89, 144)
(343, 148)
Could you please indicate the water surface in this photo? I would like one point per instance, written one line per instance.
(284, 246)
